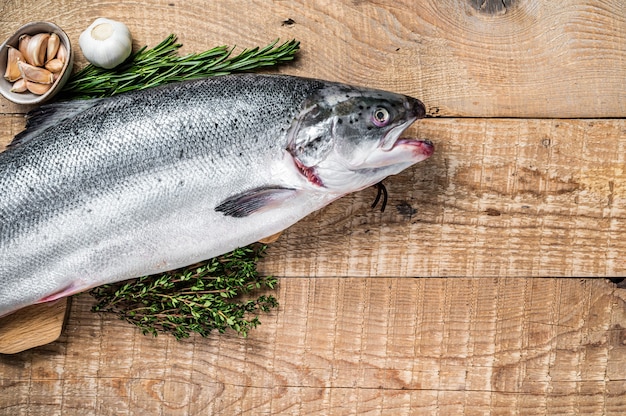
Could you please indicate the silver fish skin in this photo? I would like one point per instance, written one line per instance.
(103, 190)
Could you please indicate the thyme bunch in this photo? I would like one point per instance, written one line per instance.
(161, 65)
(212, 295)
(216, 294)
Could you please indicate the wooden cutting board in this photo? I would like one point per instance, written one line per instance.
(32, 326)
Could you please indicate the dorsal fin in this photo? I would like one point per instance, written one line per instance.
(48, 115)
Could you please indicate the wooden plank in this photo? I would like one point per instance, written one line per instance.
(350, 346)
(500, 197)
(534, 58)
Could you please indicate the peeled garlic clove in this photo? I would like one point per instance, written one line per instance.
(54, 65)
(36, 49)
(19, 85)
(106, 43)
(12, 72)
(53, 47)
(62, 53)
(35, 74)
(23, 46)
(37, 88)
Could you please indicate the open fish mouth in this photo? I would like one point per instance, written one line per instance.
(393, 135)
(403, 150)
(422, 147)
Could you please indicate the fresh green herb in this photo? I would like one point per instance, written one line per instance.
(212, 295)
(161, 65)
(215, 294)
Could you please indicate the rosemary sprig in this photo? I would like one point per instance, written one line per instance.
(215, 294)
(161, 65)
(212, 295)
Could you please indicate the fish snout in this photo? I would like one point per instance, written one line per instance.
(414, 107)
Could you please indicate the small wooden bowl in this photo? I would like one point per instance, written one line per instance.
(32, 29)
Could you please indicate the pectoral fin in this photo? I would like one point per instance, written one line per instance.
(254, 200)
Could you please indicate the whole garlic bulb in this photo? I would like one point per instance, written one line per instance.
(106, 43)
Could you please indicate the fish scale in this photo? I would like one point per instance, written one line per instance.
(102, 190)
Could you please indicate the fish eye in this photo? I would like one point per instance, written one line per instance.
(380, 117)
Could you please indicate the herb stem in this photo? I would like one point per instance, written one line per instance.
(212, 295)
(160, 65)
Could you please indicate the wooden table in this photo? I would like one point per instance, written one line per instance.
(482, 286)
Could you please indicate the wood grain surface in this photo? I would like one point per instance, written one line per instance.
(386, 346)
(480, 290)
(532, 59)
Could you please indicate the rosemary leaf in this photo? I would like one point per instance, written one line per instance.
(160, 65)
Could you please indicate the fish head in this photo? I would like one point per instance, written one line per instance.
(347, 139)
